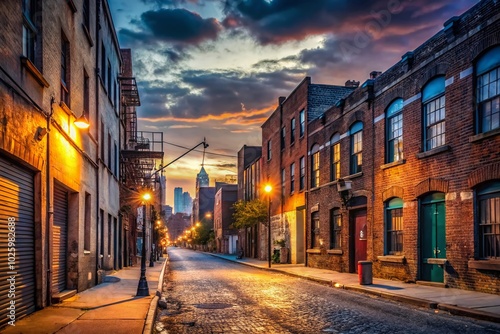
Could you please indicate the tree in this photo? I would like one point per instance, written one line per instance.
(249, 213)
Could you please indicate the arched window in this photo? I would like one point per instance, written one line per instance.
(356, 132)
(394, 119)
(488, 220)
(433, 101)
(335, 157)
(394, 226)
(488, 91)
(315, 166)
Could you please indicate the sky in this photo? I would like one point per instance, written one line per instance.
(215, 69)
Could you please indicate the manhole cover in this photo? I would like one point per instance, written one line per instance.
(213, 305)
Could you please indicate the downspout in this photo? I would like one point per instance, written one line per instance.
(281, 161)
(371, 101)
(49, 213)
(98, 44)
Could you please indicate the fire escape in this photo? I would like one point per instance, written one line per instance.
(142, 152)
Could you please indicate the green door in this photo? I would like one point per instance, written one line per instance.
(432, 237)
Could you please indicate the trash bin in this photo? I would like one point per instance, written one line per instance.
(365, 272)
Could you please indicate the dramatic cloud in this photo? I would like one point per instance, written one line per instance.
(172, 25)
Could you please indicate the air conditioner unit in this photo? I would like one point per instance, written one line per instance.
(343, 185)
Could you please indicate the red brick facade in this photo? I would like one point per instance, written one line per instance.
(450, 177)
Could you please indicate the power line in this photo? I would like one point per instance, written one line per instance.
(219, 154)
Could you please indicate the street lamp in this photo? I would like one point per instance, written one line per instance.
(142, 287)
(268, 188)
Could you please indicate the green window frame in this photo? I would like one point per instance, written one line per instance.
(394, 119)
(488, 221)
(434, 106)
(356, 132)
(394, 226)
(335, 157)
(488, 91)
(335, 229)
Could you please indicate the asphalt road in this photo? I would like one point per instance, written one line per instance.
(206, 294)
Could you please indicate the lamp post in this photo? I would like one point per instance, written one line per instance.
(268, 190)
(142, 288)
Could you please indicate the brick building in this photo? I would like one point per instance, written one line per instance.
(56, 180)
(285, 161)
(225, 236)
(424, 204)
(249, 184)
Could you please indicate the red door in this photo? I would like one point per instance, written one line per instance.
(359, 237)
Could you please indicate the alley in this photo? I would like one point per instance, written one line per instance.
(209, 295)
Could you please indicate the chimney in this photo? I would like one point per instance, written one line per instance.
(374, 74)
(352, 84)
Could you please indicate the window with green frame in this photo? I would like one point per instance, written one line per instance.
(356, 132)
(488, 220)
(433, 100)
(488, 91)
(394, 126)
(394, 226)
(315, 236)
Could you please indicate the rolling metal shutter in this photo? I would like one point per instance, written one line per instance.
(59, 239)
(17, 203)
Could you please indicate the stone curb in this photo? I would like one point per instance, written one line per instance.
(153, 306)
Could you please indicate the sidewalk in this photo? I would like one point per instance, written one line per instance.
(477, 305)
(110, 307)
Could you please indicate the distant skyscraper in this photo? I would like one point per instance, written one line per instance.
(202, 179)
(178, 200)
(188, 203)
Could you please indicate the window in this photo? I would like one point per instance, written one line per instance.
(269, 153)
(356, 147)
(394, 226)
(283, 180)
(302, 120)
(489, 220)
(110, 221)
(86, 14)
(116, 163)
(103, 143)
(315, 230)
(30, 32)
(488, 91)
(433, 100)
(65, 84)
(394, 119)
(315, 166)
(103, 64)
(335, 157)
(283, 134)
(86, 94)
(292, 131)
(86, 222)
(108, 162)
(292, 178)
(335, 229)
(110, 92)
(302, 178)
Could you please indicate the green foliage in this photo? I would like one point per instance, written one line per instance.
(249, 213)
(276, 257)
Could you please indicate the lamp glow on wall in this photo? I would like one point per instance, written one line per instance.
(82, 122)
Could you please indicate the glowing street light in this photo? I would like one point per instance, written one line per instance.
(268, 188)
(142, 288)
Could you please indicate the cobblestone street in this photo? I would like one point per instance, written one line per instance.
(209, 295)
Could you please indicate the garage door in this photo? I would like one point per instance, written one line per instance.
(59, 239)
(17, 270)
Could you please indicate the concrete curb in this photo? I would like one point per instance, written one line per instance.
(452, 309)
(153, 306)
(472, 313)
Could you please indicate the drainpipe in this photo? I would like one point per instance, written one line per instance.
(49, 212)
(371, 102)
(98, 44)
